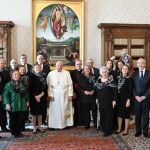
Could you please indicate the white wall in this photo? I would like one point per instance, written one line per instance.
(96, 11)
(20, 12)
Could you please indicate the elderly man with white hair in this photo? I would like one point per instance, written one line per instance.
(60, 92)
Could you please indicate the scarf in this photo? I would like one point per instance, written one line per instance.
(18, 87)
(121, 81)
(110, 82)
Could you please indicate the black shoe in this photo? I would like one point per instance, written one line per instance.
(146, 135)
(106, 134)
(0, 136)
(16, 136)
(137, 134)
(124, 134)
(87, 127)
(20, 134)
(117, 132)
(52, 129)
(5, 130)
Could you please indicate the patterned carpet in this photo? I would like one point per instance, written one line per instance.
(73, 139)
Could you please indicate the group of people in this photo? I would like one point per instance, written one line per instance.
(111, 92)
(74, 98)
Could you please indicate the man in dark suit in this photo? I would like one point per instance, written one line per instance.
(75, 75)
(95, 72)
(141, 80)
(23, 61)
(45, 69)
(4, 78)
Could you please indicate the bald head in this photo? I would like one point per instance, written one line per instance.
(141, 63)
(59, 66)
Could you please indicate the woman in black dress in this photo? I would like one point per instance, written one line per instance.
(124, 97)
(86, 95)
(106, 91)
(38, 93)
(109, 65)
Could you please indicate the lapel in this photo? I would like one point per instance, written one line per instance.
(145, 77)
(137, 78)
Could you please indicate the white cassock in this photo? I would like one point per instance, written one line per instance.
(60, 108)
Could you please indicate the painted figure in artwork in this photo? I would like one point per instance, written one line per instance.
(58, 22)
(43, 24)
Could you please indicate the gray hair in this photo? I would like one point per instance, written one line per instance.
(103, 68)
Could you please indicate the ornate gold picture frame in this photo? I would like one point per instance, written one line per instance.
(58, 30)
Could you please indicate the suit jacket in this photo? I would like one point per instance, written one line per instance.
(96, 72)
(29, 67)
(144, 88)
(4, 78)
(46, 69)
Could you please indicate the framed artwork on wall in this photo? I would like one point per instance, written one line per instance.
(58, 30)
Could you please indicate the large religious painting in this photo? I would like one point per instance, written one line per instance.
(58, 30)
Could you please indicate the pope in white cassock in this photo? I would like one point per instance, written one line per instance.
(60, 92)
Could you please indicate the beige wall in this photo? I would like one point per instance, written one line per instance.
(96, 11)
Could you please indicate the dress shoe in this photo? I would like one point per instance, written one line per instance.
(52, 129)
(0, 136)
(124, 134)
(146, 135)
(5, 130)
(106, 134)
(117, 132)
(20, 134)
(137, 134)
(87, 127)
(16, 136)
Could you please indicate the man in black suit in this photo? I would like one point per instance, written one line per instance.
(95, 72)
(23, 61)
(40, 61)
(4, 78)
(45, 69)
(141, 80)
(75, 75)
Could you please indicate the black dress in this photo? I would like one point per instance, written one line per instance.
(87, 101)
(124, 93)
(37, 85)
(106, 93)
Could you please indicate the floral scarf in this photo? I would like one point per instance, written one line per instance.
(91, 79)
(18, 87)
(110, 82)
(121, 81)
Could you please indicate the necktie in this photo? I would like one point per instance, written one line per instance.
(141, 77)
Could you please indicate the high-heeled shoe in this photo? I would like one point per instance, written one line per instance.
(34, 131)
(125, 133)
(117, 132)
